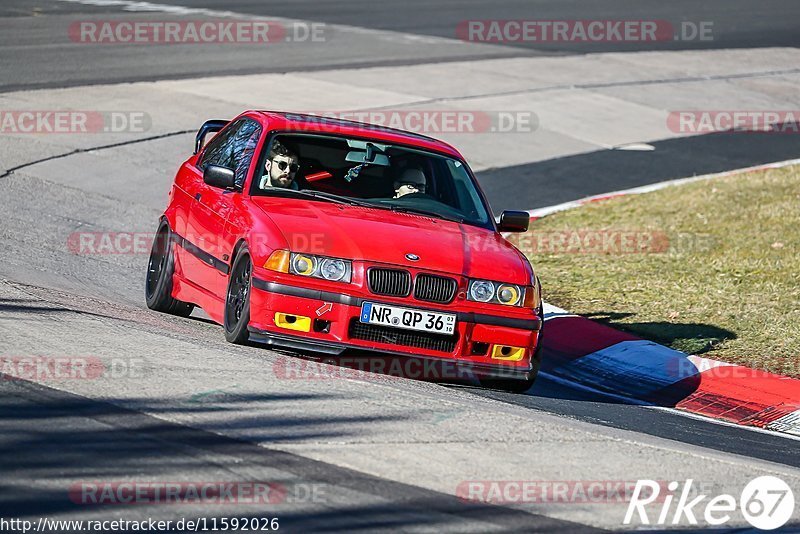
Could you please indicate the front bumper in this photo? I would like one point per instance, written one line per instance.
(335, 330)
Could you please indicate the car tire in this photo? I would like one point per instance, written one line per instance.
(160, 270)
(237, 299)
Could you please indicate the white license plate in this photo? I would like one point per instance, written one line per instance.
(410, 319)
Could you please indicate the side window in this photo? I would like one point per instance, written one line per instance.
(218, 151)
(234, 149)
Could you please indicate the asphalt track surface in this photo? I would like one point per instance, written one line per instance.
(50, 435)
(37, 52)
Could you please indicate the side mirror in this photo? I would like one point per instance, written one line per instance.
(213, 125)
(514, 221)
(221, 177)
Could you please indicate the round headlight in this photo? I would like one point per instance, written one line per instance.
(332, 269)
(482, 291)
(305, 265)
(508, 294)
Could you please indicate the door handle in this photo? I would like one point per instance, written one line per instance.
(198, 196)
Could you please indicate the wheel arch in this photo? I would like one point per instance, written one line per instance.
(240, 244)
(169, 216)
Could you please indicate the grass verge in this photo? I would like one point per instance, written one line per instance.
(710, 267)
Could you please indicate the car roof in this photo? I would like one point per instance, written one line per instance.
(302, 122)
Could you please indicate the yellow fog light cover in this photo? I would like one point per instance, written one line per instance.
(278, 261)
(510, 354)
(293, 322)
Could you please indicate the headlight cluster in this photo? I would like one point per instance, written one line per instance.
(333, 269)
(496, 293)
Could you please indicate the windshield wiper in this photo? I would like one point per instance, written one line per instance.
(337, 198)
(417, 211)
(281, 192)
(316, 195)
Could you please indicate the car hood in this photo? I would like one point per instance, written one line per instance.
(383, 236)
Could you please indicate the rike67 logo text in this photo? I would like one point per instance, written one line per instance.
(766, 503)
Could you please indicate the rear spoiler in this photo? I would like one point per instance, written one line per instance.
(214, 125)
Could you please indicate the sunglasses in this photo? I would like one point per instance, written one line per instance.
(283, 164)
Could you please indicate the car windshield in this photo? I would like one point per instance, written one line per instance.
(372, 173)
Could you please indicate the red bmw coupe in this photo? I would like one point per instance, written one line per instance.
(330, 236)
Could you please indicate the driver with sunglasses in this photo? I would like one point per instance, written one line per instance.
(280, 168)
